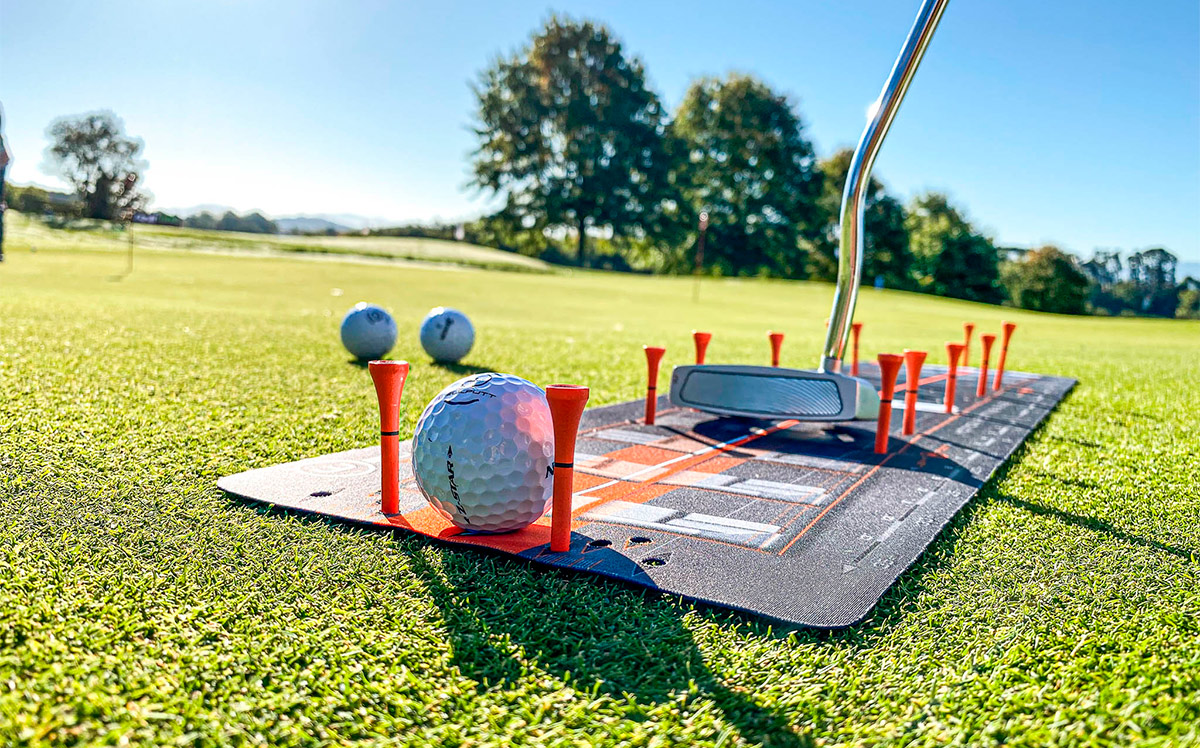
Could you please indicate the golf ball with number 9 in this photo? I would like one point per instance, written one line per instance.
(446, 334)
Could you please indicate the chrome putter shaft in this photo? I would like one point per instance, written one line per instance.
(824, 394)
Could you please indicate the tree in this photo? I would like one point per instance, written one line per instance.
(1104, 268)
(1105, 271)
(1047, 280)
(569, 131)
(887, 254)
(1152, 272)
(750, 166)
(950, 258)
(95, 156)
(1189, 300)
(203, 220)
(254, 223)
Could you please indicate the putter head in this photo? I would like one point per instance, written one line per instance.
(773, 393)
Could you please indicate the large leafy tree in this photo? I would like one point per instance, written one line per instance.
(103, 165)
(1047, 280)
(887, 254)
(571, 134)
(951, 258)
(751, 167)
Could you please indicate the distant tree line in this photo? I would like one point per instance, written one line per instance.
(592, 169)
(37, 201)
(252, 223)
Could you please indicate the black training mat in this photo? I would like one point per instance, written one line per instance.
(803, 524)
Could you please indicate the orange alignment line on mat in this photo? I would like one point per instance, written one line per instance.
(883, 462)
(930, 380)
(635, 488)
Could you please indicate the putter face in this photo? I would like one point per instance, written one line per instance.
(773, 393)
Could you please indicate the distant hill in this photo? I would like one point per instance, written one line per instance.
(321, 221)
(344, 221)
(308, 225)
(195, 210)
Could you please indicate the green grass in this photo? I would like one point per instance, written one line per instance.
(95, 235)
(141, 606)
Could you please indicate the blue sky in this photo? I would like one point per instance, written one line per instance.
(1070, 122)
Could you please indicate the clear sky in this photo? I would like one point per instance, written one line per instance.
(1076, 122)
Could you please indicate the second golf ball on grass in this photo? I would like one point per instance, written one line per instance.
(446, 334)
(483, 451)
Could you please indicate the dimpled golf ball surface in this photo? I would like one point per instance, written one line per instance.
(446, 334)
(368, 331)
(483, 451)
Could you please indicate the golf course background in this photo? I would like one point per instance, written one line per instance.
(140, 604)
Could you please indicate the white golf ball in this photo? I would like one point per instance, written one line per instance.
(483, 453)
(446, 334)
(368, 331)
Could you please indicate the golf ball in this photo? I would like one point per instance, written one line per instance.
(368, 331)
(446, 334)
(483, 453)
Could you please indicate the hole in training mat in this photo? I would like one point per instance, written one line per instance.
(320, 493)
(601, 543)
(654, 562)
(639, 540)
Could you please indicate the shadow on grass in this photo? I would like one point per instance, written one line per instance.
(1076, 441)
(461, 370)
(503, 618)
(1086, 485)
(1096, 525)
(506, 621)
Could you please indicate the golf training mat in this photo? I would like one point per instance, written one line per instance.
(799, 522)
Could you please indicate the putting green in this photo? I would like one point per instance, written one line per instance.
(139, 603)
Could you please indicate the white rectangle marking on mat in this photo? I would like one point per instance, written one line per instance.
(810, 461)
(626, 436)
(697, 525)
(618, 510)
(718, 531)
(696, 518)
(769, 489)
(923, 406)
(688, 479)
